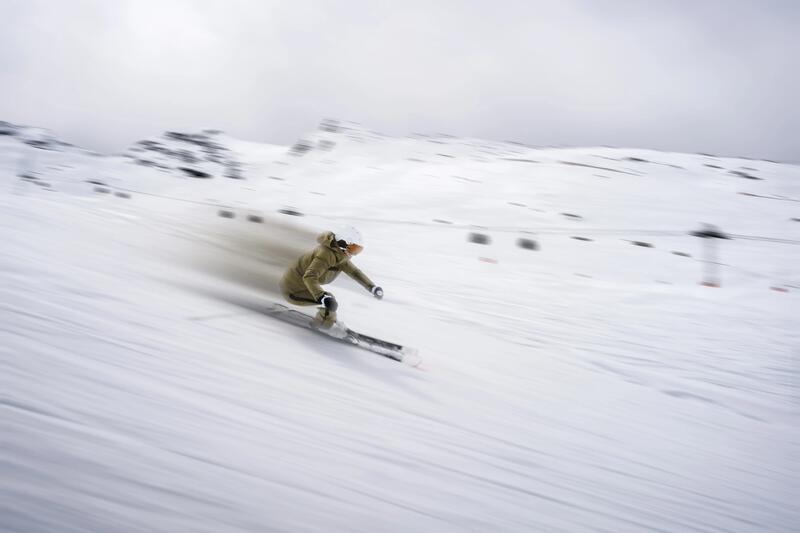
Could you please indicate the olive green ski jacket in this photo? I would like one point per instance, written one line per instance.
(304, 278)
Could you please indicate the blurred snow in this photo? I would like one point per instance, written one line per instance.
(587, 385)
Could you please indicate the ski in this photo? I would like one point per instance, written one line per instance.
(403, 354)
(390, 350)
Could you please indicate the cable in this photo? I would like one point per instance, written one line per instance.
(501, 229)
(765, 239)
(166, 197)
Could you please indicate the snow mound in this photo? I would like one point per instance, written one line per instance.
(197, 155)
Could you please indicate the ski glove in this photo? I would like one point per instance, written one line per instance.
(329, 302)
(377, 292)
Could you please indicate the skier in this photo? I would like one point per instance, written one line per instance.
(302, 282)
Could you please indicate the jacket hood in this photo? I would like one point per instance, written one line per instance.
(325, 238)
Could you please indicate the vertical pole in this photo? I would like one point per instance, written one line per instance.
(711, 270)
(713, 264)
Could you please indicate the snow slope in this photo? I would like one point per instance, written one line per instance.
(589, 385)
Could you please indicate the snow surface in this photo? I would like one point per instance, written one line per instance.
(589, 385)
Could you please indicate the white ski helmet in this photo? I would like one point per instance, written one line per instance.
(350, 239)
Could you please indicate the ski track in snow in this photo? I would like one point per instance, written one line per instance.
(140, 392)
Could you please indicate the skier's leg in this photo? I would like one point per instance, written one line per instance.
(296, 297)
(323, 320)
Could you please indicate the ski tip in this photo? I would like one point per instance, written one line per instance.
(411, 358)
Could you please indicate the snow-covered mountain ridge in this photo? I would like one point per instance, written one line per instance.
(40, 138)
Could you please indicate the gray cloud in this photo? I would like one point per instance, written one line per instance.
(710, 76)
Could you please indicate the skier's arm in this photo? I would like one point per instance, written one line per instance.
(313, 273)
(351, 270)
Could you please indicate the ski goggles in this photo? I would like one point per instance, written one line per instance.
(354, 249)
(351, 249)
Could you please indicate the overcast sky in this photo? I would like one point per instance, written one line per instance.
(695, 75)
